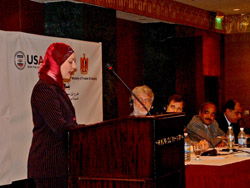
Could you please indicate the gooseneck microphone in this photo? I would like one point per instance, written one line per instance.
(111, 68)
(212, 152)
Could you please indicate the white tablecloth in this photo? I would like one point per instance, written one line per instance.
(220, 160)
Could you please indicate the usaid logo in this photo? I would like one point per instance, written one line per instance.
(32, 61)
(20, 60)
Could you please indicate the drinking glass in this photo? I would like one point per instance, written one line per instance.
(197, 147)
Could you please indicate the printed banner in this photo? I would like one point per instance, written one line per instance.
(21, 55)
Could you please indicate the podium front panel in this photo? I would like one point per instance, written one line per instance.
(127, 150)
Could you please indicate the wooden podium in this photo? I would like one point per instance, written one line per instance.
(132, 152)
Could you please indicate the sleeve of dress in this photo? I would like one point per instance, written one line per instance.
(45, 100)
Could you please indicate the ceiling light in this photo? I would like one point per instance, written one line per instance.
(236, 9)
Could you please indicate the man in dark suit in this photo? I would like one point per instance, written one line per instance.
(232, 112)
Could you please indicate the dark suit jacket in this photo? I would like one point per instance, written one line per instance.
(224, 126)
(53, 114)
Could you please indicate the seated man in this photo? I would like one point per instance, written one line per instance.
(232, 112)
(205, 127)
(146, 96)
(175, 103)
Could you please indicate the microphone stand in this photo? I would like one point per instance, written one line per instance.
(111, 68)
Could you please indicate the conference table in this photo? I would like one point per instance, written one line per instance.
(225, 170)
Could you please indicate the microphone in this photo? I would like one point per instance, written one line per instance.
(111, 68)
(243, 151)
(212, 152)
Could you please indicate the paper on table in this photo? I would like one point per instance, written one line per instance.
(242, 155)
(244, 149)
(219, 160)
(213, 157)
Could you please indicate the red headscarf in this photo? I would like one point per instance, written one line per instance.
(55, 56)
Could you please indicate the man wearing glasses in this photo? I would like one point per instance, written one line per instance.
(232, 112)
(146, 96)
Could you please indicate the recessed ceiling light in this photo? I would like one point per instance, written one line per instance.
(236, 9)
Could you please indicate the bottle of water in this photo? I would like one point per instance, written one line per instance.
(187, 147)
(230, 139)
(242, 140)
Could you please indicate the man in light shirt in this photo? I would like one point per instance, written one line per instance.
(204, 127)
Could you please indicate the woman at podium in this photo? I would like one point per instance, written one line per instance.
(53, 114)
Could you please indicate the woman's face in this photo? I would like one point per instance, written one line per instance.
(68, 67)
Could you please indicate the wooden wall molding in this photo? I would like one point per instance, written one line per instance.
(237, 24)
(166, 10)
(172, 11)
